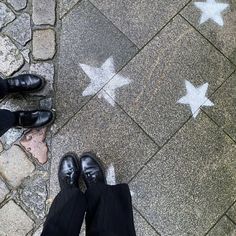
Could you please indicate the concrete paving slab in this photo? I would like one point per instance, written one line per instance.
(139, 20)
(224, 227)
(87, 37)
(190, 182)
(65, 6)
(142, 227)
(105, 130)
(232, 212)
(224, 111)
(222, 36)
(158, 75)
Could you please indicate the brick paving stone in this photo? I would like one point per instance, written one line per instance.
(6, 15)
(11, 136)
(14, 104)
(1, 147)
(44, 44)
(139, 20)
(38, 231)
(46, 103)
(223, 37)
(20, 29)
(34, 194)
(3, 190)
(142, 227)
(224, 112)
(18, 5)
(25, 53)
(190, 182)
(224, 227)
(107, 131)
(44, 12)
(10, 57)
(159, 72)
(46, 70)
(232, 212)
(14, 221)
(87, 37)
(15, 166)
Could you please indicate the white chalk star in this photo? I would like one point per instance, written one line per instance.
(111, 175)
(100, 76)
(196, 97)
(211, 10)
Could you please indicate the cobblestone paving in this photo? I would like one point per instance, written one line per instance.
(148, 85)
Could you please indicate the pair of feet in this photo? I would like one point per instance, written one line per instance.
(70, 170)
(28, 83)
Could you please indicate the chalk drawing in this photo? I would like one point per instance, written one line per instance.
(99, 78)
(132, 193)
(195, 97)
(111, 175)
(211, 10)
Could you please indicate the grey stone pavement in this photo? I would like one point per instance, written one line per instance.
(148, 85)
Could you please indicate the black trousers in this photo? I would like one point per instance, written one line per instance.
(3, 88)
(7, 121)
(108, 212)
(7, 118)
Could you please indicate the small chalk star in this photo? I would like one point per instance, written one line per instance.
(195, 97)
(100, 76)
(211, 10)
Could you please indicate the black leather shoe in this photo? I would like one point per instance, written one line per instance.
(69, 171)
(25, 83)
(91, 169)
(33, 119)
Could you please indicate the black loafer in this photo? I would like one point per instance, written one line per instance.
(33, 119)
(91, 169)
(69, 171)
(25, 83)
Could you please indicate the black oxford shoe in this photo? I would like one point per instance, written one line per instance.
(33, 119)
(69, 171)
(25, 83)
(91, 169)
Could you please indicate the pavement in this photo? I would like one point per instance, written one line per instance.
(150, 86)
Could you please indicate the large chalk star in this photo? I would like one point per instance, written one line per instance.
(211, 10)
(195, 97)
(100, 76)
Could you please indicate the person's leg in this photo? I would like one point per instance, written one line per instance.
(3, 88)
(7, 121)
(66, 214)
(109, 211)
(67, 211)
